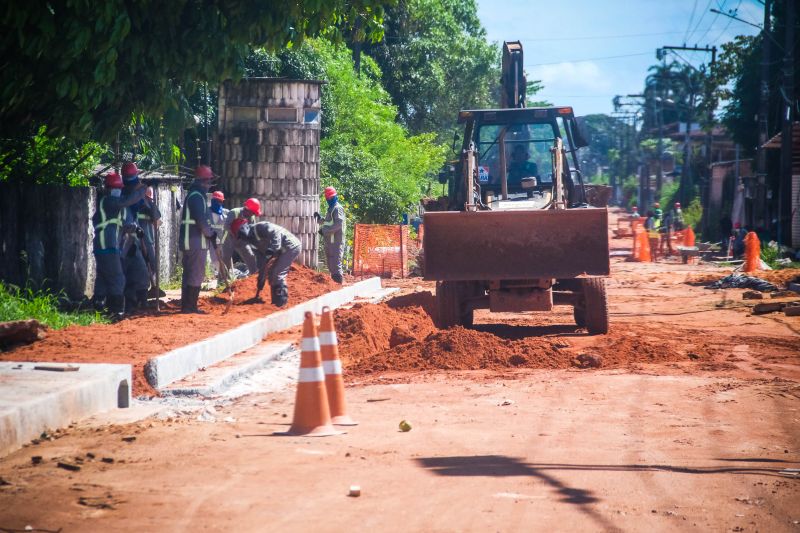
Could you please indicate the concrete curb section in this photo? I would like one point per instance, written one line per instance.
(179, 363)
(220, 376)
(33, 401)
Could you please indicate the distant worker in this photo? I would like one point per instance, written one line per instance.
(248, 212)
(149, 218)
(194, 237)
(109, 283)
(224, 248)
(665, 232)
(635, 212)
(134, 264)
(677, 217)
(274, 246)
(658, 215)
(738, 239)
(332, 228)
(520, 167)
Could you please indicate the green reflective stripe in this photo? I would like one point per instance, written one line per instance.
(187, 220)
(143, 216)
(101, 226)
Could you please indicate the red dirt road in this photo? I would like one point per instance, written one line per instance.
(691, 423)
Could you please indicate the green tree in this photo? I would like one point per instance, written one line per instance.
(436, 61)
(85, 68)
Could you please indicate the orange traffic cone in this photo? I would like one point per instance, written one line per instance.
(644, 247)
(311, 414)
(689, 237)
(634, 249)
(752, 252)
(334, 383)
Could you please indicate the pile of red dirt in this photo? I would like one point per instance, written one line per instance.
(139, 338)
(391, 337)
(365, 328)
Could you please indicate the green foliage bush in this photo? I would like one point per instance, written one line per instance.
(27, 303)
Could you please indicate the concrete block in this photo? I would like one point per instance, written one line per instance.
(768, 307)
(795, 287)
(792, 309)
(179, 363)
(33, 401)
(219, 377)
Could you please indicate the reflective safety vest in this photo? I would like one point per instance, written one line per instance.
(105, 221)
(187, 222)
(219, 227)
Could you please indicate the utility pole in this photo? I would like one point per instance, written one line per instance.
(788, 108)
(763, 103)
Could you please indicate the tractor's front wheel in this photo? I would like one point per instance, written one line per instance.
(595, 312)
(448, 304)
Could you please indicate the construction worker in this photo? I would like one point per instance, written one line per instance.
(677, 217)
(332, 229)
(109, 283)
(248, 212)
(224, 248)
(657, 215)
(273, 245)
(635, 212)
(137, 275)
(665, 232)
(194, 237)
(149, 218)
(520, 166)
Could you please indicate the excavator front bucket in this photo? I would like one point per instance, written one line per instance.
(515, 245)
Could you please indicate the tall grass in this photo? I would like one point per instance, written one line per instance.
(22, 304)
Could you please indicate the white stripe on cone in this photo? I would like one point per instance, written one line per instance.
(311, 375)
(332, 367)
(327, 338)
(309, 344)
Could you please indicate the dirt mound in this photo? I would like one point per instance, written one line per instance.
(780, 278)
(368, 328)
(141, 337)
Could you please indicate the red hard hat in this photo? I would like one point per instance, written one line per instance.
(236, 225)
(737, 225)
(330, 192)
(677, 204)
(129, 169)
(218, 196)
(203, 172)
(254, 206)
(113, 181)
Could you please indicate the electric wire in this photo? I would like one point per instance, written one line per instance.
(587, 59)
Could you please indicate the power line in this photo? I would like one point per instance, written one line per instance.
(714, 20)
(701, 19)
(585, 60)
(730, 21)
(691, 19)
(594, 37)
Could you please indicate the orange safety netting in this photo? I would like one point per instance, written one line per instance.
(752, 252)
(380, 250)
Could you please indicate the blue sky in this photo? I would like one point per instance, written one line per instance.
(568, 45)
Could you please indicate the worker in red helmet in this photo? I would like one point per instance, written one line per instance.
(248, 212)
(194, 238)
(224, 249)
(275, 248)
(635, 212)
(108, 221)
(134, 246)
(332, 228)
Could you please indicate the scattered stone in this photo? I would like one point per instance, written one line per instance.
(229, 419)
(586, 360)
(405, 426)
(355, 491)
(781, 294)
(36, 459)
(507, 402)
(400, 335)
(129, 438)
(108, 460)
(792, 309)
(3, 482)
(752, 295)
(21, 332)
(768, 307)
(68, 466)
(90, 455)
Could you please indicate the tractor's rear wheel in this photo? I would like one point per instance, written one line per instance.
(448, 304)
(595, 312)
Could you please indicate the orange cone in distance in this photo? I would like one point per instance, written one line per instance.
(688, 237)
(634, 248)
(312, 417)
(644, 247)
(752, 252)
(334, 383)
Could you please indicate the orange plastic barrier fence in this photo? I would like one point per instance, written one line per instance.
(380, 250)
(752, 252)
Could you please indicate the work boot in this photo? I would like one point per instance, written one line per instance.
(141, 299)
(116, 307)
(191, 301)
(185, 290)
(335, 276)
(280, 295)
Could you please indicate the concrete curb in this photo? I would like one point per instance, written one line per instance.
(33, 401)
(164, 369)
(219, 377)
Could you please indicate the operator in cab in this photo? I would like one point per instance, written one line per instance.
(520, 166)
